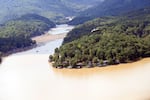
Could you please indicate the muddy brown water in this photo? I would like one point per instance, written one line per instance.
(29, 76)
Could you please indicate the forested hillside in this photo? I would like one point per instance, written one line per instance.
(135, 22)
(17, 33)
(28, 25)
(111, 8)
(105, 41)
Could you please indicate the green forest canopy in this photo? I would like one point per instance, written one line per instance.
(17, 33)
(107, 40)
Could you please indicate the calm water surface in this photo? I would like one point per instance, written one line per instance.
(60, 29)
(29, 76)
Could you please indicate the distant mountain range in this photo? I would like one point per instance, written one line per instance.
(114, 7)
(52, 9)
(111, 8)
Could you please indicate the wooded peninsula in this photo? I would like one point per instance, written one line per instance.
(106, 41)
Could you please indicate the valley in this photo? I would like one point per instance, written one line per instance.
(74, 50)
(55, 10)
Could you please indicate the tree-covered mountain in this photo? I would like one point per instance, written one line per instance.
(131, 19)
(106, 41)
(16, 34)
(28, 25)
(53, 9)
(112, 8)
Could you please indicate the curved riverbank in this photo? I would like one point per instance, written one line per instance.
(38, 81)
(109, 68)
(57, 33)
(29, 76)
(48, 37)
(53, 34)
(40, 40)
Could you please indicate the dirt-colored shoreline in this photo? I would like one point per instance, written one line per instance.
(39, 40)
(110, 68)
(48, 37)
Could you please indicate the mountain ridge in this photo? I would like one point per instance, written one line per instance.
(112, 8)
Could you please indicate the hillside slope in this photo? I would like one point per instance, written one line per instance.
(131, 19)
(111, 8)
(16, 34)
(106, 41)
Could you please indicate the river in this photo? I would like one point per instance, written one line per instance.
(28, 76)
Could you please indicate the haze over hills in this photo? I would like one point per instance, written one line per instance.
(114, 7)
(11, 9)
(80, 5)
(111, 8)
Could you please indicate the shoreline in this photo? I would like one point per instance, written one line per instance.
(19, 50)
(40, 40)
(101, 67)
(48, 37)
(110, 68)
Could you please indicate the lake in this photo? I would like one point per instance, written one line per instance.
(28, 76)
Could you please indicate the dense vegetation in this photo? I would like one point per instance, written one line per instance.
(14, 42)
(135, 22)
(17, 33)
(105, 41)
(28, 25)
(86, 28)
(111, 8)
